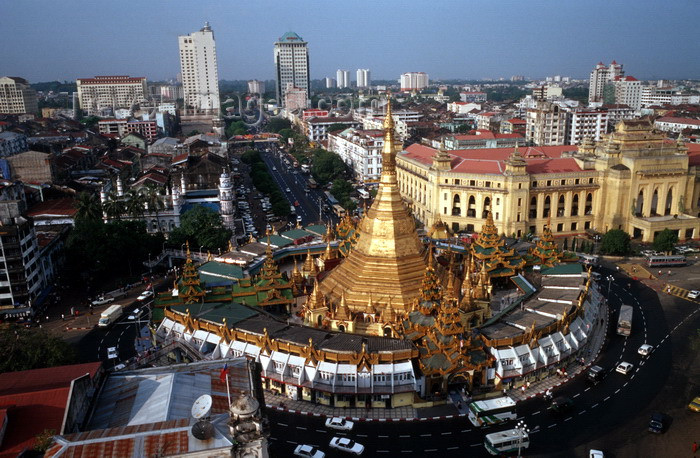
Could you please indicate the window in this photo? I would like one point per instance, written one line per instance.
(327, 376)
(560, 227)
(507, 361)
(574, 226)
(549, 182)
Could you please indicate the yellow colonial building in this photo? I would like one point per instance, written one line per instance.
(634, 179)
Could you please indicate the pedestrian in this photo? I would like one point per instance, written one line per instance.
(669, 273)
(47, 318)
(63, 317)
(659, 273)
(695, 447)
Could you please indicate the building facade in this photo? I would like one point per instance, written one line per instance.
(342, 78)
(600, 77)
(200, 74)
(291, 64)
(414, 81)
(330, 83)
(582, 124)
(546, 124)
(123, 127)
(361, 150)
(677, 125)
(363, 78)
(628, 91)
(256, 87)
(110, 93)
(17, 96)
(634, 179)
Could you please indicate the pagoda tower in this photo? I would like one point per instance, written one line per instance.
(387, 257)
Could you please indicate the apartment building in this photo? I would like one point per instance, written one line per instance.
(414, 81)
(582, 124)
(361, 150)
(628, 91)
(17, 96)
(600, 77)
(546, 124)
(256, 87)
(123, 127)
(363, 78)
(343, 78)
(200, 74)
(109, 93)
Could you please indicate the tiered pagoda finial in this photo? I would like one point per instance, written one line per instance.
(190, 288)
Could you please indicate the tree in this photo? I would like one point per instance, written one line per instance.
(25, 349)
(277, 124)
(134, 203)
(114, 207)
(88, 207)
(665, 240)
(327, 166)
(152, 199)
(90, 121)
(565, 247)
(573, 244)
(236, 128)
(201, 227)
(615, 242)
(337, 126)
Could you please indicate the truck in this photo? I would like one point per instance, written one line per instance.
(110, 315)
(624, 321)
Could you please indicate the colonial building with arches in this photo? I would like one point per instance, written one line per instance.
(634, 179)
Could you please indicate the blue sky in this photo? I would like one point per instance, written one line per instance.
(46, 40)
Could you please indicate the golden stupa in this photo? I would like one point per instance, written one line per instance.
(386, 264)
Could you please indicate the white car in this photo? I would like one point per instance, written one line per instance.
(145, 295)
(102, 300)
(112, 352)
(694, 294)
(645, 349)
(593, 453)
(339, 423)
(347, 445)
(308, 451)
(288, 190)
(624, 367)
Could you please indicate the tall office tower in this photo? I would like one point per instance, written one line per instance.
(414, 81)
(600, 77)
(343, 78)
(628, 91)
(363, 79)
(292, 64)
(110, 92)
(200, 75)
(17, 96)
(256, 87)
(330, 83)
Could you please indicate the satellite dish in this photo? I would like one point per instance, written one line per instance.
(201, 406)
(203, 430)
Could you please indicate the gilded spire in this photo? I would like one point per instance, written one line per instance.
(389, 149)
(342, 311)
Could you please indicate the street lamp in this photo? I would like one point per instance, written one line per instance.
(182, 247)
(523, 431)
(200, 250)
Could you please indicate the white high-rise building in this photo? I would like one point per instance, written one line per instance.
(363, 78)
(330, 82)
(17, 96)
(343, 78)
(414, 81)
(600, 76)
(256, 87)
(628, 91)
(110, 92)
(200, 75)
(291, 64)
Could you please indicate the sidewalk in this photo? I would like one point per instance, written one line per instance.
(458, 405)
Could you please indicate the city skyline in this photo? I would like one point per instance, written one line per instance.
(489, 40)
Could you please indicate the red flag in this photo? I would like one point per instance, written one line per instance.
(224, 373)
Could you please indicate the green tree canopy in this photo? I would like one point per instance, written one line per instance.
(236, 128)
(201, 226)
(615, 242)
(25, 349)
(341, 190)
(277, 124)
(337, 126)
(88, 207)
(665, 240)
(90, 121)
(327, 166)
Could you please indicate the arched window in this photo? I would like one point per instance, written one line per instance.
(639, 206)
(547, 204)
(560, 205)
(533, 207)
(471, 207)
(654, 203)
(669, 201)
(456, 208)
(574, 205)
(487, 207)
(589, 204)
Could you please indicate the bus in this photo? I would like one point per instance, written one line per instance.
(492, 411)
(508, 441)
(338, 210)
(588, 259)
(671, 260)
(624, 320)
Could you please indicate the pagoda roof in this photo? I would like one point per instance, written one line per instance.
(217, 311)
(317, 229)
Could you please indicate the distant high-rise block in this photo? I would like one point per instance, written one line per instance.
(600, 76)
(291, 65)
(343, 78)
(110, 92)
(414, 81)
(330, 83)
(200, 75)
(17, 96)
(363, 77)
(256, 87)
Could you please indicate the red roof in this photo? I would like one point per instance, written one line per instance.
(56, 207)
(693, 154)
(691, 121)
(517, 121)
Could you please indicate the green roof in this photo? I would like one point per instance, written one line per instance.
(278, 241)
(217, 311)
(296, 234)
(291, 37)
(221, 270)
(523, 284)
(318, 229)
(563, 269)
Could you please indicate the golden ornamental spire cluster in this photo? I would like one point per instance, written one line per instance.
(389, 148)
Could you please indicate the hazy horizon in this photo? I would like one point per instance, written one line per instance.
(47, 41)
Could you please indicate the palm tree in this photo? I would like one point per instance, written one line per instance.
(114, 206)
(153, 201)
(135, 203)
(89, 207)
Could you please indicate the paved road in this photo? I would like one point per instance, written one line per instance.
(616, 409)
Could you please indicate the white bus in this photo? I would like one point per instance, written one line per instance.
(588, 259)
(508, 441)
(659, 261)
(492, 411)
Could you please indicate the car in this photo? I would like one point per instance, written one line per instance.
(657, 422)
(102, 300)
(308, 451)
(339, 423)
(112, 352)
(145, 295)
(346, 445)
(695, 404)
(296, 203)
(624, 367)
(119, 367)
(561, 404)
(299, 220)
(595, 374)
(645, 349)
(288, 190)
(694, 294)
(593, 453)
(274, 169)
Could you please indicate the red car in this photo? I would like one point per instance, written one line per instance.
(296, 203)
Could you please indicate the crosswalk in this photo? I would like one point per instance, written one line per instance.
(679, 292)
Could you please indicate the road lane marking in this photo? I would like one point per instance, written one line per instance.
(594, 405)
(454, 448)
(323, 431)
(444, 434)
(582, 412)
(425, 435)
(291, 442)
(282, 424)
(536, 413)
(404, 435)
(362, 435)
(568, 419)
(430, 450)
(576, 395)
(587, 389)
(606, 398)
(552, 425)
(617, 391)
(476, 445)
(383, 436)
(301, 427)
